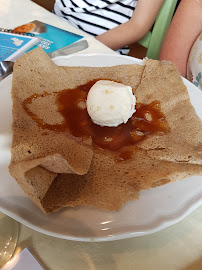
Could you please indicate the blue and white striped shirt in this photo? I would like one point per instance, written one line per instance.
(96, 16)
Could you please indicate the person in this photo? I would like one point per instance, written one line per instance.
(183, 41)
(115, 23)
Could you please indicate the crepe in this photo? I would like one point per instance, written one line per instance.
(56, 169)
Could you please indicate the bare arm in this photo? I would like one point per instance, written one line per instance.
(183, 31)
(127, 33)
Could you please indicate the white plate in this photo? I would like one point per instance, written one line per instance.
(156, 208)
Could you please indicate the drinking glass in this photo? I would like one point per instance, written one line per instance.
(9, 230)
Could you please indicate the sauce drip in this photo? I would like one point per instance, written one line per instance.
(147, 119)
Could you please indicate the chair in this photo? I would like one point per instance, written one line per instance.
(153, 39)
(47, 4)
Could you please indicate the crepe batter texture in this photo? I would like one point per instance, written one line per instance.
(56, 169)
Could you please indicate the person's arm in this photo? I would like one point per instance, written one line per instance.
(140, 23)
(182, 32)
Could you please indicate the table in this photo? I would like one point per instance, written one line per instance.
(178, 247)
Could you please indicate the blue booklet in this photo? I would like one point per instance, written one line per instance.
(52, 38)
(14, 45)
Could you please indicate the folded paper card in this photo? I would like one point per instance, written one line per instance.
(13, 45)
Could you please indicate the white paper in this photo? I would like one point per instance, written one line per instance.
(24, 260)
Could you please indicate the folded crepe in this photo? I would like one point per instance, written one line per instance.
(56, 169)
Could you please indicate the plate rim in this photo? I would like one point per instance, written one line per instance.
(107, 238)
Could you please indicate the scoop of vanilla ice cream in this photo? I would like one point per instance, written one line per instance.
(110, 103)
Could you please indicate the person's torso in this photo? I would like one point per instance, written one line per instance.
(95, 16)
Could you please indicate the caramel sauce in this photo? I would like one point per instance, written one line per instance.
(147, 119)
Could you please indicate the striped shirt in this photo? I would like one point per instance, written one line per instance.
(96, 16)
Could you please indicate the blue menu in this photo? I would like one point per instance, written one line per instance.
(53, 38)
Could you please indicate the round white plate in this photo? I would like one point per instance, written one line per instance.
(156, 208)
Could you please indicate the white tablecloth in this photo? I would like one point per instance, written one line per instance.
(176, 247)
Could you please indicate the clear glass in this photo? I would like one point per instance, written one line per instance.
(9, 230)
